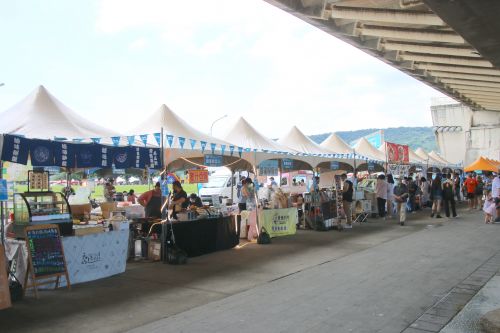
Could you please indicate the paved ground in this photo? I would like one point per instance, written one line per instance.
(379, 277)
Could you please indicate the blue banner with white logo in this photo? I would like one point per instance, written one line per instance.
(64, 154)
(41, 153)
(213, 160)
(123, 157)
(15, 149)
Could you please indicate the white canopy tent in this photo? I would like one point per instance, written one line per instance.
(242, 134)
(179, 129)
(42, 116)
(437, 157)
(365, 148)
(336, 144)
(428, 160)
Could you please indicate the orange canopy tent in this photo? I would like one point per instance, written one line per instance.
(482, 164)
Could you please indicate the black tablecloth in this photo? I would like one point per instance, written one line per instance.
(205, 236)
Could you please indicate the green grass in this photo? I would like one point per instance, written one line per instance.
(99, 189)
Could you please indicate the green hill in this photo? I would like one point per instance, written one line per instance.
(413, 136)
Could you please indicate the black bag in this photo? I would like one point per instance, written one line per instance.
(175, 255)
(15, 288)
(264, 237)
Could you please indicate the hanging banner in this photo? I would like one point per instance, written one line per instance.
(397, 153)
(131, 139)
(88, 155)
(212, 147)
(334, 165)
(268, 168)
(203, 146)
(197, 176)
(222, 149)
(41, 153)
(15, 149)
(136, 158)
(64, 154)
(123, 157)
(150, 157)
(240, 151)
(96, 140)
(287, 164)
(279, 222)
(213, 160)
(231, 150)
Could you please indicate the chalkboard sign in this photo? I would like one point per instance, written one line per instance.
(45, 254)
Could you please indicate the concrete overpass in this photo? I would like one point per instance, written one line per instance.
(451, 45)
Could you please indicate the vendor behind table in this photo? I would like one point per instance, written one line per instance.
(179, 199)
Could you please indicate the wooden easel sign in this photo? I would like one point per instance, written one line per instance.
(46, 259)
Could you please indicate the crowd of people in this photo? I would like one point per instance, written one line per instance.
(398, 195)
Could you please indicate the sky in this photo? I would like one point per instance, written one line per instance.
(116, 61)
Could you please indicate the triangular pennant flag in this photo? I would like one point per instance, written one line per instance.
(144, 138)
(222, 149)
(96, 140)
(203, 145)
(131, 139)
(192, 142)
(248, 150)
(158, 138)
(170, 140)
(77, 140)
(212, 147)
(181, 141)
(240, 151)
(231, 150)
(116, 140)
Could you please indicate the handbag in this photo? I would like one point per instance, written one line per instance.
(264, 237)
(15, 288)
(175, 255)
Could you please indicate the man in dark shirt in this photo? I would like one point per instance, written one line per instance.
(195, 200)
(179, 199)
(347, 191)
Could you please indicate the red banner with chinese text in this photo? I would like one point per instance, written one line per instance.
(197, 176)
(397, 153)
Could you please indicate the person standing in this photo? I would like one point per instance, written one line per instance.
(470, 184)
(425, 189)
(449, 197)
(390, 195)
(109, 190)
(479, 192)
(347, 192)
(131, 197)
(151, 201)
(436, 196)
(412, 190)
(179, 199)
(400, 196)
(381, 192)
(456, 181)
(495, 193)
(242, 199)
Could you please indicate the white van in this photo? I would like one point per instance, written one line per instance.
(220, 184)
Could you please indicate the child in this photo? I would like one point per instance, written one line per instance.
(489, 208)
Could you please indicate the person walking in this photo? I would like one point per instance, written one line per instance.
(412, 190)
(381, 192)
(436, 196)
(390, 195)
(347, 191)
(400, 196)
(470, 185)
(449, 197)
(242, 196)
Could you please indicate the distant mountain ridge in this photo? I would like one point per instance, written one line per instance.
(414, 137)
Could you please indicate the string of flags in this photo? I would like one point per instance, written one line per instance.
(154, 140)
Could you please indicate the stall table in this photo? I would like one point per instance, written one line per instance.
(202, 236)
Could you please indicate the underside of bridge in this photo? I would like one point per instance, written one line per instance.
(452, 45)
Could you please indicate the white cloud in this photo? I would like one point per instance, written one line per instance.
(137, 44)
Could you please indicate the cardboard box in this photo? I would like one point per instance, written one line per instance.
(78, 211)
(89, 230)
(154, 250)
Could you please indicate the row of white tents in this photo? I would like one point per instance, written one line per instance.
(41, 115)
